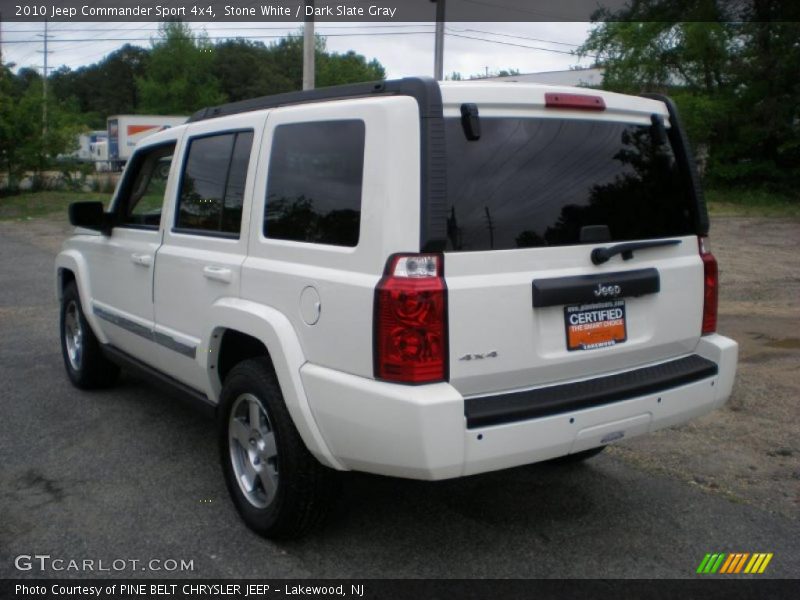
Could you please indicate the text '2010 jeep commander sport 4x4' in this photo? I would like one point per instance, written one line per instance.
(411, 278)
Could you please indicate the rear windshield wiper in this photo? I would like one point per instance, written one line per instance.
(601, 255)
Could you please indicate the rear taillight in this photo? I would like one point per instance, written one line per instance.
(410, 343)
(710, 287)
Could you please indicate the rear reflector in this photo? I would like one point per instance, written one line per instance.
(410, 335)
(710, 287)
(577, 101)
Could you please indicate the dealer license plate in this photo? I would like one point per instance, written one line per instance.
(595, 325)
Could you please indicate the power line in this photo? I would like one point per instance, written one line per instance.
(229, 37)
(150, 28)
(480, 39)
(519, 37)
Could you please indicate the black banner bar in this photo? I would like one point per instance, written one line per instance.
(397, 11)
(708, 587)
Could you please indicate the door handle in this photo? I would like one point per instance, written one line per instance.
(222, 274)
(143, 260)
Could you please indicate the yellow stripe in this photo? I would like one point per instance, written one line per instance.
(741, 562)
(729, 560)
(765, 563)
(752, 567)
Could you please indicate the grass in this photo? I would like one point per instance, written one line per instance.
(26, 206)
(750, 203)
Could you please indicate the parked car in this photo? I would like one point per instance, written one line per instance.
(410, 278)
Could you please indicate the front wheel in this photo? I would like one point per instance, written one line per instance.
(280, 490)
(86, 365)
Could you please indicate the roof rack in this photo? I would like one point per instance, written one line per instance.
(424, 89)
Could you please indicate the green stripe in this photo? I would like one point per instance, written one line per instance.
(711, 562)
(703, 564)
(718, 563)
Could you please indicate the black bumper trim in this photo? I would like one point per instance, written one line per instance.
(485, 411)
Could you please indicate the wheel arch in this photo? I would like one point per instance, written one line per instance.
(70, 266)
(240, 329)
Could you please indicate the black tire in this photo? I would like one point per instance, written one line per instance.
(305, 491)
(89, 368)
(577, 457)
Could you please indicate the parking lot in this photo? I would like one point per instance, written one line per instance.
(131, 474)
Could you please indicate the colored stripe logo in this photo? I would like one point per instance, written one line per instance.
(734, 563)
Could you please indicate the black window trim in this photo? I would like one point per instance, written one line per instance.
(184, 161)
(116, 212)
(263, 237)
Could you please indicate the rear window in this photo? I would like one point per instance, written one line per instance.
(538, 182)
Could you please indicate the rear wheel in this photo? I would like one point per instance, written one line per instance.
(86, 365)
(280, 490)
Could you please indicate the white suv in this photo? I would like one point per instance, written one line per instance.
(411, 278)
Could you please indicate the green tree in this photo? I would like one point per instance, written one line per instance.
(105, 88)
(247, 69)
(179, 78)
(331, 68)
(733, 75)
(25, 145)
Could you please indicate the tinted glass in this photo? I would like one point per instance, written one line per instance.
(537, 182)
(212, 187)
(142, 193)
(314, 185)
(234, 191)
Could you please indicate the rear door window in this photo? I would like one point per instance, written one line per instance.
(538, 182)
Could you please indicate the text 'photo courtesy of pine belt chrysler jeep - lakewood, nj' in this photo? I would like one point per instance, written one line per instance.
(411, 278)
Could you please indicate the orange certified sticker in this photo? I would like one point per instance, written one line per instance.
(595, 325)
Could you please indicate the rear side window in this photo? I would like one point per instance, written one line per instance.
(212, 186)
(314, 184)
(538, 182)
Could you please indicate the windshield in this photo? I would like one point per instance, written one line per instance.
(531, 182)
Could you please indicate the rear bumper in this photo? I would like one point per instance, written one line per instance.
(432, 432)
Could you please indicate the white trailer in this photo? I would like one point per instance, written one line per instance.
(125, 131)
(99, 152)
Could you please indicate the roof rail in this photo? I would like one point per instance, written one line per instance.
(421, 88)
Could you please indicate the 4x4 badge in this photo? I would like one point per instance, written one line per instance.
(492, 354)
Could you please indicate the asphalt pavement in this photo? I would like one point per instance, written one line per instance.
(130, 474)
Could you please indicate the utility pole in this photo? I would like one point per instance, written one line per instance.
(308, 48)
(45, 52)
(438, 51)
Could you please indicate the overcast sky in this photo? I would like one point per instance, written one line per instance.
(404, 49)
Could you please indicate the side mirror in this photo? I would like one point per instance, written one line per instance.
(90, 215)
